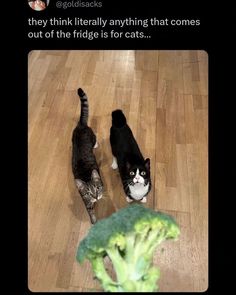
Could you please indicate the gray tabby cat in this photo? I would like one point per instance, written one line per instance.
(84, 165)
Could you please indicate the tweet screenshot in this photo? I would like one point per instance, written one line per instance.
(117, 147)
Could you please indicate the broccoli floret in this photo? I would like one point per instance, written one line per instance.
(129, 238)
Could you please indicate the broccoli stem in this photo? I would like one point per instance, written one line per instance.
(101, 274)
(134, 271)
(138, 258)
(156, 237)
(119, 264)
(149, 282)
(129, 249)
(147, 246)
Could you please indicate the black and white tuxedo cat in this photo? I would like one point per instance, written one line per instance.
(134, 169)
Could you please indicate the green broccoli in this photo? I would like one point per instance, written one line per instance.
(129, 238)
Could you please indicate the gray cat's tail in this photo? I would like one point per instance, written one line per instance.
(84, 107)
(118, 119)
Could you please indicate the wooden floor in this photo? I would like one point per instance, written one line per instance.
(164, 95)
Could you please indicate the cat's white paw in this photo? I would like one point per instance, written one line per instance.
(96, 145)
(144, 200)
(129, 200)
(114, 164)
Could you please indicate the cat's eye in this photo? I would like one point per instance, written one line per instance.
(143, 173)
(132, 173)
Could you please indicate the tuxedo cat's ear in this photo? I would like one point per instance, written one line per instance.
(95, 175)
(128, 166)
(147, 164)
(80, 184)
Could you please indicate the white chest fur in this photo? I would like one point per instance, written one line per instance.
(138, 190)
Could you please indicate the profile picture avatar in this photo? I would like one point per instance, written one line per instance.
(38, 4)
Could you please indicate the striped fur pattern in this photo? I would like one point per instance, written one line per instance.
(84, 165)
(84, 113)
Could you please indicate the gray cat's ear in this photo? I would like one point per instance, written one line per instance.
(95, 175)
(80, 184)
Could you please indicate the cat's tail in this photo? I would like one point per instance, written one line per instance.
(118, 119)
(84, 107)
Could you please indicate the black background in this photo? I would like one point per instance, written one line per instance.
(216, 35)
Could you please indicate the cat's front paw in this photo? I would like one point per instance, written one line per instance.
(93, 219)
(114, 165)
(129, 200)
(144, 200)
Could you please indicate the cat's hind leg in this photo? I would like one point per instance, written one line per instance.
(94, 141)
(114, 163)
